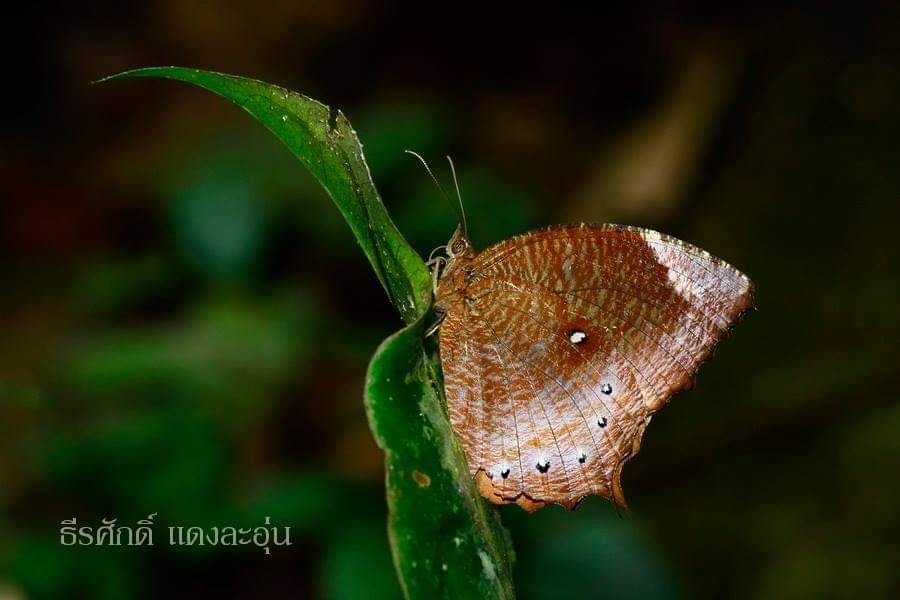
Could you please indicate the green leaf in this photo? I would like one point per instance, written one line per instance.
(323, 140)
(447, 541)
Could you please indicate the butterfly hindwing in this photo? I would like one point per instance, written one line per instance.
(562, 345)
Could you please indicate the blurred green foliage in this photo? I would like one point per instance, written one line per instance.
(127, 385)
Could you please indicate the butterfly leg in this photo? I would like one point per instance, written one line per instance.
(436, 325)
(436, 265)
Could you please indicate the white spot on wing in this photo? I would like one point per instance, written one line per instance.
(577, 337)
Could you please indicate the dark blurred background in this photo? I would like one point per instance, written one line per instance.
(185, 320)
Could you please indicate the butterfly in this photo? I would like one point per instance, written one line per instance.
(559, 345)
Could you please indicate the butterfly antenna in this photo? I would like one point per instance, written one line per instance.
(462, 210)
(437, 183)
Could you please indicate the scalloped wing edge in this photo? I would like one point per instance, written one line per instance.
(617, 494)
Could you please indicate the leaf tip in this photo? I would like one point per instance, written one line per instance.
(146, 72)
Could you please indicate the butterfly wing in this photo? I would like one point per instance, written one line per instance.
(565, 342)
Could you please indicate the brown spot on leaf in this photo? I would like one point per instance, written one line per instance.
(422, 479)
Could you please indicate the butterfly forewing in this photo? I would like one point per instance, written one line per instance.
(559, 345)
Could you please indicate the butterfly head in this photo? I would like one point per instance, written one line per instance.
(459, 244)
(454, 275)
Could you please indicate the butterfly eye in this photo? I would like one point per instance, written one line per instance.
(458, 246)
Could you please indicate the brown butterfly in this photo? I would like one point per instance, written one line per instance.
(558, 346)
